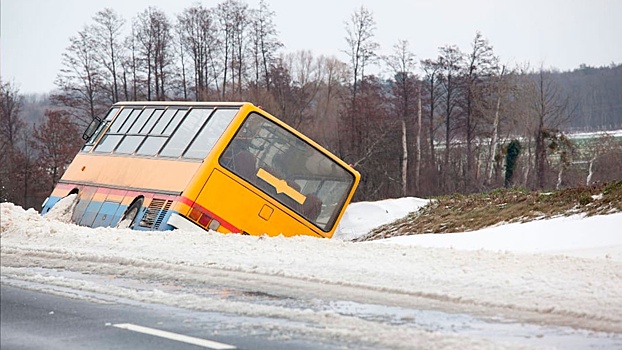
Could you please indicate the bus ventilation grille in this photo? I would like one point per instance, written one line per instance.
(155, 213)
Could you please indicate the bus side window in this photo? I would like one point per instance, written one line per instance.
(151, 146)
(116, 125)
(164, 120)
(108, 143)
(180, 139)
(173, 123)
(129, 144)
(146, 129)
(110, 140)
(129, 121)
(140, 121)
(211, 132)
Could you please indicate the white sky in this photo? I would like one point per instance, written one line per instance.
(554, 33)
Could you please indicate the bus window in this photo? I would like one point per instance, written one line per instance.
(129, 144)
(132, 141)
(102, 125)
(111, 114)
(180, 139)
(173, 123)
(140, 121)
(289, 170)
(116, 125)
(166, 118)
(111, 139)
(108, 143)
(211, 132)
(129, 121)
(152, 145)
(146, 129)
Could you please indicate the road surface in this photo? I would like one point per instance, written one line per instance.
(37, 320)
(54, 308)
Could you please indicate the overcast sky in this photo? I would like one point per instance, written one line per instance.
(553, 33)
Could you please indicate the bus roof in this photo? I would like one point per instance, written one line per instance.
(180, 103)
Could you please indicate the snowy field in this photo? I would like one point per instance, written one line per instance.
(589, 135)
(564, 271)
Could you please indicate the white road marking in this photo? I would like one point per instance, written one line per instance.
(174, 336)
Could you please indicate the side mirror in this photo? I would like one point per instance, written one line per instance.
(90, 130)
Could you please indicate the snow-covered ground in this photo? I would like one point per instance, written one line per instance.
(564, 271)
(588, 135)
(360, 218)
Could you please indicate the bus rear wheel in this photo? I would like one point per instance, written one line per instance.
(128, 218)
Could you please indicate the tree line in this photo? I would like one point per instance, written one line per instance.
(463, 121)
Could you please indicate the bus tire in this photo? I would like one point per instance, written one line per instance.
(128, 218)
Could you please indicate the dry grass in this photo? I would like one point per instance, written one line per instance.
(458, 213)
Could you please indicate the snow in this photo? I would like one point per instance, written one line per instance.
(362, 217)
(564, 271)
(589, 135)
(61, 211)
(574, 235)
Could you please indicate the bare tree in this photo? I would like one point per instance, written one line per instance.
(361, 45)
(198, 35)
(79, 80)
(232, 15)
(11, 127)
(57, 141)
(431, 87)
(305, 73)
(181, 72)
(107, 30)
(479, 65)
(240, 34)
(153, 31)
(264, 42)
(331, 94)
(604, 155)
(131, 76)
(402, 65)
(11, 123)
(564, 148)
(450, 61)
(501, 82)
(375, 157)
(26, 171)
(361, 51)
(550, 110)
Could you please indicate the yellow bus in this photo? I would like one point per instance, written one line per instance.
(226, 167)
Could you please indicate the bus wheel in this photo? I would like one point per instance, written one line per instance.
(127, 220)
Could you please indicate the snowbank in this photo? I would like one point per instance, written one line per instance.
(564, 271)
(362, 217)
(597, 236)
(579, 291)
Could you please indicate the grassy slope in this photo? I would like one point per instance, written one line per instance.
(458, 213)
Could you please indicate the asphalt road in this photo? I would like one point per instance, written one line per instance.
(35, 320)
(53, 308)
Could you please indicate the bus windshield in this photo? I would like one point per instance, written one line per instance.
(289, 170)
